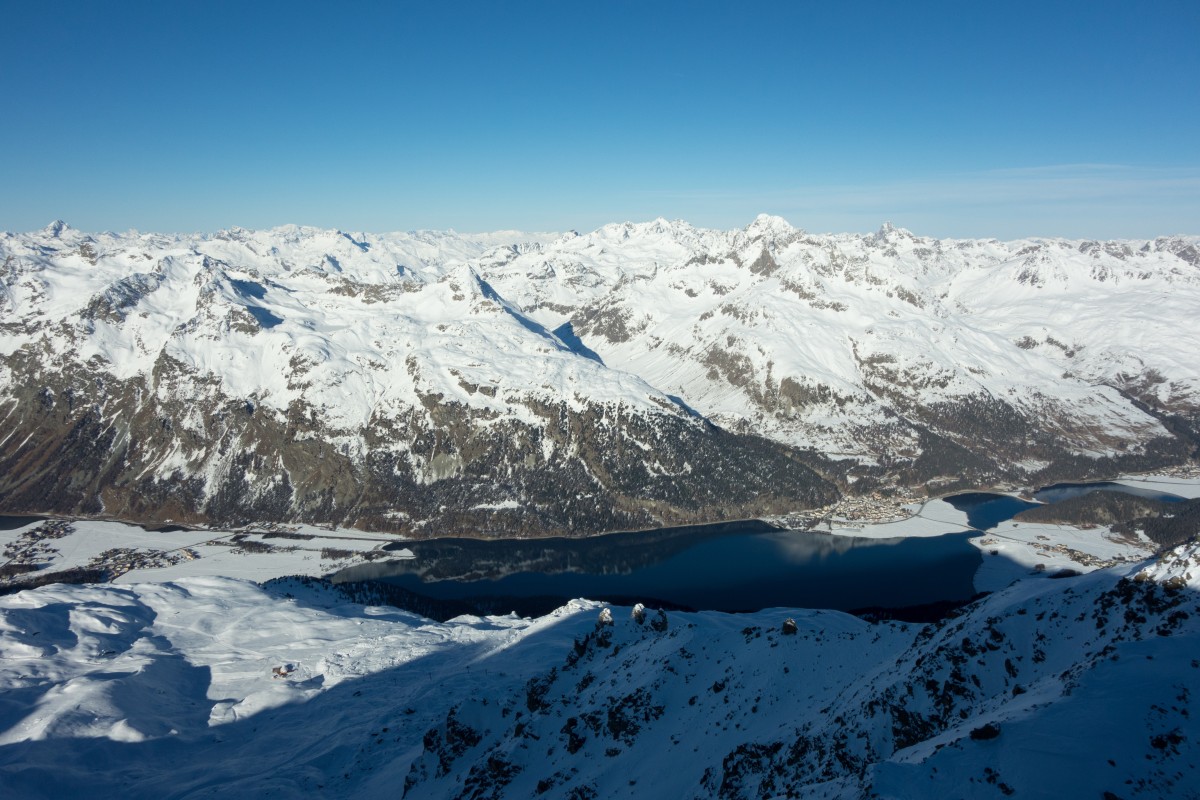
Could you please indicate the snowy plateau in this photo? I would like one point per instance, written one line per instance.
(272, 406)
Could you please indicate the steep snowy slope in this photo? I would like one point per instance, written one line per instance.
(637, 375)
(866, 344)
(207, 687)
(376, 381)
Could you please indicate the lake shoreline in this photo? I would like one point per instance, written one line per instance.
(269, 550)
(823, 519)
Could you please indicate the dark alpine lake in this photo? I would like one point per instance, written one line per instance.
(743, 566)
(11, 523)
(733, 567)
(740, 566)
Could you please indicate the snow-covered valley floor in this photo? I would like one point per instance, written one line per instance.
(186, 678)
(204, 687)
(261, 553)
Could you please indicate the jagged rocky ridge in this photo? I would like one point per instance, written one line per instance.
(634, 376)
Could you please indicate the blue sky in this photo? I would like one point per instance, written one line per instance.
(951, 119)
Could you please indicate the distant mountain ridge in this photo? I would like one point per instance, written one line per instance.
(637, 375)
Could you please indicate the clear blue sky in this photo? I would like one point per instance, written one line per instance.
(951, 119)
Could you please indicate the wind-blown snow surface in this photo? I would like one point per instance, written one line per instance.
(1065, 688)
(379, 380)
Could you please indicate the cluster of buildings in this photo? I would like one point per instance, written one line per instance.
(33, 548)
(119, 560)
(873, 508)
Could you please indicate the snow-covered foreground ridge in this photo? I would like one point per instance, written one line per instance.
(214, 686)
(637, 375)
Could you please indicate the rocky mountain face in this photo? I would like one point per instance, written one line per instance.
(638, 375)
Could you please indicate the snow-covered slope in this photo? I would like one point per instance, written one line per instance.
(208, 686)
(632, 376)
(315, 375)
(1050, 688)
(812, 339)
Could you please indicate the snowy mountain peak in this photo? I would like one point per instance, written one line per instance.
(56, 228)
(636, 231)
(890, 233)
(769, 225)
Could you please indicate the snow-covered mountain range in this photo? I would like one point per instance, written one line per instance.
(207, 686)
(637, 375)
